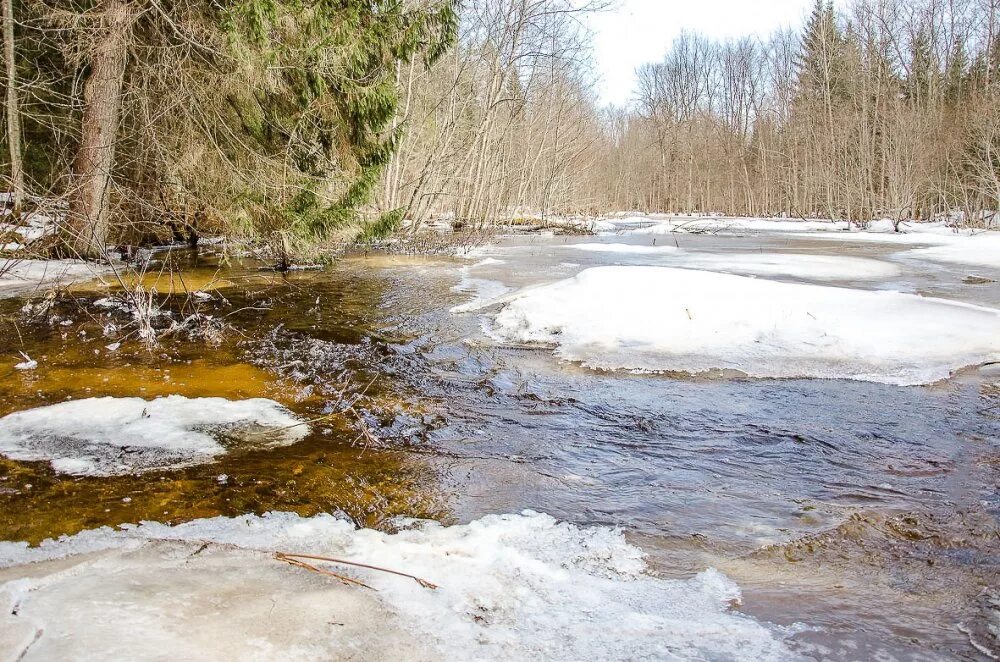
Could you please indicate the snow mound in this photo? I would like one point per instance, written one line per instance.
(114, 436)
(511, 587)
(679, 320)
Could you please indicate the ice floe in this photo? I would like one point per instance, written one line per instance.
(112, 436)
(511, 587)
(681, 320)
(24, 274)
(628, 249)
(975, 251)
(795, 265)
(482, 289)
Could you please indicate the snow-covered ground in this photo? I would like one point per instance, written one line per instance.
(667, 224)
(87, 437)
(510, 587)
(19, 275)
(935, 242)
(668, 319)
(943, 242)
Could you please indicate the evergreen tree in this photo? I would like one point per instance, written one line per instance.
(921, 75)
(273, 114)
(821, 60)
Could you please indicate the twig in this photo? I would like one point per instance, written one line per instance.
(293, 559)
(288, 558)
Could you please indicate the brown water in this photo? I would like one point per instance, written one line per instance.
(865, 511)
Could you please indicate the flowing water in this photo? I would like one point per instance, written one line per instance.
(866, 512)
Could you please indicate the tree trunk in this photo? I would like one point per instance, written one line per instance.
(13, 111)
(88, 212)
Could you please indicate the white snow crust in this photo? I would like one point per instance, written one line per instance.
(112, 436)
(796, 265)
(511, 587)
(680, 320)
(22, 274)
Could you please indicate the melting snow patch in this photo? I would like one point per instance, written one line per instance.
(978, 251)
(943, 244)
(728, 225)
(511, 587)
(19, 274)
(666, 319)
(113, 436)
(484, 291)
(797, 265)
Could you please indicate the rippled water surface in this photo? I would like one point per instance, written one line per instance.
(865, 512)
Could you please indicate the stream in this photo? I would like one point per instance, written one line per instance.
(863, 514)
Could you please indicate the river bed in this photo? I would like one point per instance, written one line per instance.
(861, 515)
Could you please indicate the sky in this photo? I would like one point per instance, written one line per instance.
(640, 31)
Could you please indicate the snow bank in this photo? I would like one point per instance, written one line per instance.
(667, 319)
(798, 265)
(977, 251)
(512, 587)
(22, 274)
(729, 225)
(112, 436)
(943, 243)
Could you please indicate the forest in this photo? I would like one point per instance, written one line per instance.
(295, 124)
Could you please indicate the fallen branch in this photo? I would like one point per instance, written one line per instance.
(307, 566)
(294, 559)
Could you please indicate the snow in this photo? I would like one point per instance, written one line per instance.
(38, 226)
(978, 251)
(723, 225)
(940, 242)
(490, 261)
(511, 587)
(681, 320)
(798, 265)
(629, 249)
(483, 290)
(19, 274)
(89, 437)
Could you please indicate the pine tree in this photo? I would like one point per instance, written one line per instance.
(820, 63)
(282, 111)
(921, 74)
(337, 88)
